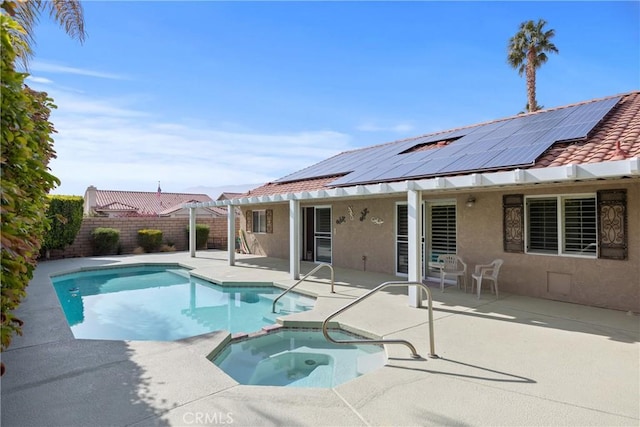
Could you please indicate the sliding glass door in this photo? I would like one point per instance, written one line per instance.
(322, 234)
(438, 236)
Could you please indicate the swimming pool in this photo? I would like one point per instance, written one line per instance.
(164, 303)
(298, 358)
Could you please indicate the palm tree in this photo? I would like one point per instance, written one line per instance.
(67, 13)
(528, 51)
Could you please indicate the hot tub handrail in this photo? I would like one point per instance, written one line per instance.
(414, 353)
(318, 267)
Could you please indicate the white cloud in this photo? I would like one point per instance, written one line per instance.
(111, 144)
(41, 80)
(47, 67)
(373, 127)
(73, 103)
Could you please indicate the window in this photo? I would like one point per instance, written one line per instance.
(562, 225)
(259, 222)
(580, 226)
(402, 239)
(542, 226)
(442, 230)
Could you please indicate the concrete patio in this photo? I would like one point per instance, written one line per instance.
(512, 361)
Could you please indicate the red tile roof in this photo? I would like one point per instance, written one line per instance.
(616, 137)
(144, 203)
(228, 195)
(620, 128)
(291, 187)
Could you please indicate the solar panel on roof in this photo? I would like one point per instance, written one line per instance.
(362, 175)
(417, 156)
(523, 139)
(434, 166)
(469, 162)
(403, 169)
(516, 156)
(505, 143)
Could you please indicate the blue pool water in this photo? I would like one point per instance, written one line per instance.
(295, 358)
(164, 303)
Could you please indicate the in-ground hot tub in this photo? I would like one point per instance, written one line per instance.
(298, 358)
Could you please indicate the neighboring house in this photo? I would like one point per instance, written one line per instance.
(111, 203)
(229, 196)
(554, 193)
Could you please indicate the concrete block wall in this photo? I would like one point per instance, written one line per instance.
(173, 229)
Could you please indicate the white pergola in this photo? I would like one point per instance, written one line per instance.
(413, 190)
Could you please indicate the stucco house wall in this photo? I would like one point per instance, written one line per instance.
(275, 244)
(593, 281)
(366, 242)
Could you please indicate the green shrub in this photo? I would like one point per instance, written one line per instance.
(202, 235)
(150, 240)
(105, 241)
(65, 214)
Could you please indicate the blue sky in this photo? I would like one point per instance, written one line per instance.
(205, 95)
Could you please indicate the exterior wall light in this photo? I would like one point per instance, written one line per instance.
(471, 201)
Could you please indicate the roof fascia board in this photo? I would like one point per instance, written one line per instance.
(516, 177)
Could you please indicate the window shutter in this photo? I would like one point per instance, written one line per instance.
(249, 219)
(443, 230)
(269, 216)
(612, 224)
(513, 222)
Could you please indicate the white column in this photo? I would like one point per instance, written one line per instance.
(294, 239)
(414, 212)
(192, 232)
(231, 234)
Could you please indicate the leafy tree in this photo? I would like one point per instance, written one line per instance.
(26, 147)
(67, 13)
(527, 51)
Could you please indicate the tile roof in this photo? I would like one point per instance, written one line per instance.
(291, 187)
(215, 210)
(144, 203)
(616, 137)
(621, 127)
(227, 195)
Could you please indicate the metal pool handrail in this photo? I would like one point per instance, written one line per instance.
(414, 354)
(273, 307)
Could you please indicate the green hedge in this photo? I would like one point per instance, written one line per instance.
(65, 214)
(105, 241)
(202, 235)
(150, 240)
(27, 146)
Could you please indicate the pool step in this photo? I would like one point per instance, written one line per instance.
(322, 376)
(290, 367)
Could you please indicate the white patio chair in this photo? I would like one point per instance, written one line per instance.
(452, 265)
(486, 272)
